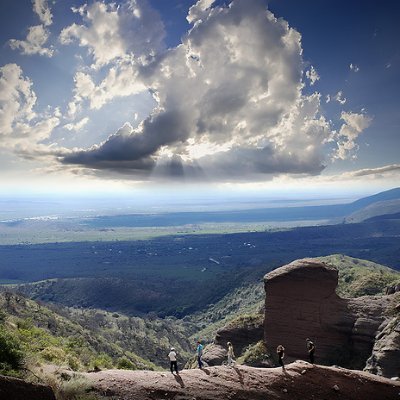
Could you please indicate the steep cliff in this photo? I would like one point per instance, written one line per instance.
(301, 302)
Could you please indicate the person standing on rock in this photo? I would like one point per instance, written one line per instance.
(280, 350)
(311, 350)
(199, 352)
(173, 361)
(231, 355)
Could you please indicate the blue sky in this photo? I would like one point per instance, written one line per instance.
(243, 94)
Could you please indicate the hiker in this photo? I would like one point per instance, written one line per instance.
(231, 354)
(199, 352)
(172, 359)
(311, 350)
(280, 350)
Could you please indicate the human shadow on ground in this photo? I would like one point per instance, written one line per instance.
(205, 370)
(179, 379)
(240, 375)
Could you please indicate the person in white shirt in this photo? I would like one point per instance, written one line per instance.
(231, 355)
(172, 359)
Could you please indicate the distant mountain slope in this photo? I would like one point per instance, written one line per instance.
(377, 209)
(391, 194)
(251, 215)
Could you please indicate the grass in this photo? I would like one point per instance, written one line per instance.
(361, 277)
(52, 234)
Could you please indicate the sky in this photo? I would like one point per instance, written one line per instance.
(250, 96)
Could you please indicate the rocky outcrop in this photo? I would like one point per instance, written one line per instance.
(214, 354)
(241, 332)
(385, 358)
(301, 302)
(300, 381)
(17, 389)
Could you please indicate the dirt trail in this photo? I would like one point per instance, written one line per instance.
(300, 381)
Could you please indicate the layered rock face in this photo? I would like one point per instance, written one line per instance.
(385, 358)
(301, 303)
(17, 389)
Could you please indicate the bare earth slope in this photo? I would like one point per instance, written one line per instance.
(301, 380)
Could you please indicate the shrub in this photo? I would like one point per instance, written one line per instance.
(102, 361)
(53, 354)
(125, 363)
(11, 355)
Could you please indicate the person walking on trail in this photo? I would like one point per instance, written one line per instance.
(311, 350)
(231, 355)
(280, 350)
(172, 359)
(199, 352)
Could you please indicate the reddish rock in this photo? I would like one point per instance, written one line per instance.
(214, 355)
(301, 302)
(17, 389)
(241, 335)
(244, 383)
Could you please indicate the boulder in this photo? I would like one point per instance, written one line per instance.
(214, 354)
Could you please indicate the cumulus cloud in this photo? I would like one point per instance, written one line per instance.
(41, 8)
(19, 123)
(37, 35)
(242, 104)
(112, 31)
(340, 98)
(312, 75)
(35, 40)
(225, 110)
(77, 126)
(121, 80)
(354, 68)
(199, 10)
(354, 124)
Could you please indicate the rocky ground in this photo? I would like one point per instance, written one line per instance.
(300, 380)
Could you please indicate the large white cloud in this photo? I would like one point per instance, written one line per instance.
(234, 88)
(112, 31)
(230, 98)
(19, 123)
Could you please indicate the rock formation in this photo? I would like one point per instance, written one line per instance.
(385, 358)
(242, 333)
(301, 302)
(300, 381)
(17, 389)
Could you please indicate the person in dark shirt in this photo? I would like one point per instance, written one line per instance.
(280, 350)
(199, 352)
(311, 350)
